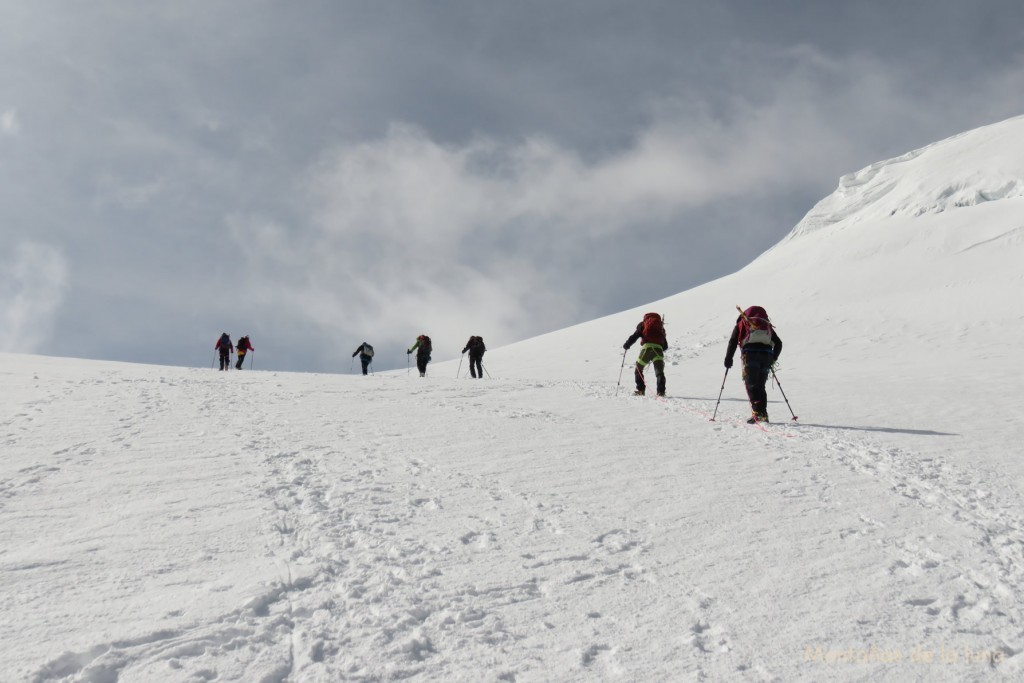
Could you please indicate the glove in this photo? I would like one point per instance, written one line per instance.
(728, 363)
(408, 352)
(626, 347)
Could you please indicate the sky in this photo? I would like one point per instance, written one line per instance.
(174, 524)
(318, 174)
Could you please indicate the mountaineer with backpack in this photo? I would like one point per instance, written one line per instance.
(422, 347)
(651, 333)
(243, 346)
(224, 347)
(476, 348)
(760, 346)
(365, 352)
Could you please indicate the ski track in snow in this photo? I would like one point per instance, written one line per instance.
(979, 588)
(372, 586)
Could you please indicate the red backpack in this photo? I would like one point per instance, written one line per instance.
(653, 329)
(755, 327)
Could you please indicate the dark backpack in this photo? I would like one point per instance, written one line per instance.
(243, 344)
(224, 343)
(425, 343)
(367, 350)
(653, 329)
(755, 327)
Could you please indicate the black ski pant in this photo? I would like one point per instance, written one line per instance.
(476, 365)
(421, 363)
(240, 361)
(365, 361)
(650, 355)
(757, 364)
(225, 360)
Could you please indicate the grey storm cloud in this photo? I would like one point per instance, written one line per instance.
(319, 173)
(32, 285)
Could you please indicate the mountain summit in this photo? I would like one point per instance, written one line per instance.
(979, 166)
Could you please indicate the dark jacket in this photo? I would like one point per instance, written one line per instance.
(360, 350)
(224, 344)
(422, 347)
(775, 349)
(475, 346)
(639, 334)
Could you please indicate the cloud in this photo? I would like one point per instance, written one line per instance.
(510, 235)
(406, 231)
(32, 286)
(502, 172)
(9, 124)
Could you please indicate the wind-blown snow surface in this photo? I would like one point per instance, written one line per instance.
(163, 524)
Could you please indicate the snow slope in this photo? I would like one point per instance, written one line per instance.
(174, 524)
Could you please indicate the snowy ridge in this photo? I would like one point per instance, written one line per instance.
(170, 524)
(982, 165)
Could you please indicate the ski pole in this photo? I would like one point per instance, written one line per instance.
(350, 364)
(776, 377)
(213, 360)
(720, 394)
(459, 371)
(484, 368)
(407, 366)
(252, 359)
(621, 368)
